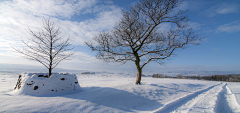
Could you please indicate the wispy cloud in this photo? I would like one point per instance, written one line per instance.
(108, 1)
(16, 16)
(194, 25)
(53, 8)
(84, 61)
(227, 8)
(221, 8)
(86, 30)
(230, 27)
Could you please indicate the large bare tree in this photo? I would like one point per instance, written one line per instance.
(138, 36)
(46, 46)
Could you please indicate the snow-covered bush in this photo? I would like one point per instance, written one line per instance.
(38, 84)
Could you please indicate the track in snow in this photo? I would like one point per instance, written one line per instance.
(221, 103)
(232, 101)
(171, 107)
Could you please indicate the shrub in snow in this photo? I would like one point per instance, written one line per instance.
(38, 84)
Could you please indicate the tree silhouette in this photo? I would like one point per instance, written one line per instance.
(46, 46)
(137, 36)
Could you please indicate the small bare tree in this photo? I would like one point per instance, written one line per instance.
(46, 46)
(179, 76)
(137, 36)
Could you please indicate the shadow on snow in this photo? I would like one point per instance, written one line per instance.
(115, 98)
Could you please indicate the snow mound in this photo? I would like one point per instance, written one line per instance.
(38, 84)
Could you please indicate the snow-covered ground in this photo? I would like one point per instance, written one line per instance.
(118, 93)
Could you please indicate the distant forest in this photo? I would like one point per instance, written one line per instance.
(227, 78)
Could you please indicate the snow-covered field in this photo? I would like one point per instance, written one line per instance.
(117, 93)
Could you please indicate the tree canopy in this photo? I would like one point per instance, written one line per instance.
(46, 46)
(139, 37)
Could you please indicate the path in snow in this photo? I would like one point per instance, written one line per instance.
(214, 99)
(232, 101)
(188, 103)
(221, 103)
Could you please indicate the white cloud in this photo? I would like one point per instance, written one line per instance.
(230, 27)
(84, 61)
(53, 8)
(194, 25)
(86, 30)
(227, 8)
(17, 15)
(108, 2)
(221, 8)
(79, 61)
(183, 6)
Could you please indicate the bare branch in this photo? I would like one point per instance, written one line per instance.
(137, 37)
(46, 46)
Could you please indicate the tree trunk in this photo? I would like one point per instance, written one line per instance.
(49, 72)
(137, 62)
(139, 69)
(50, 56)
(139, 76)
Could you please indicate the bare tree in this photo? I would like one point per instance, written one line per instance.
(47, 46)
(179, 76)
(138, 36)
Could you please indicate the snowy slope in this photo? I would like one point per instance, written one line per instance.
(117, 93)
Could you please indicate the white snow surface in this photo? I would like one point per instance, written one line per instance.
(104, 93)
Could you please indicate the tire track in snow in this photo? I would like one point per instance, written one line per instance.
(182, 101)
(232, 101)
(204, 102)
(221, 103)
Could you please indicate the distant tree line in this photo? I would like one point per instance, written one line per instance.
(86, 73)
(227, 78)
(158, 75)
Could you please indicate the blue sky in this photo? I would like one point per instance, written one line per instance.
(217, 21)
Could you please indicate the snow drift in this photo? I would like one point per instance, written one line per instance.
(39, 85)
